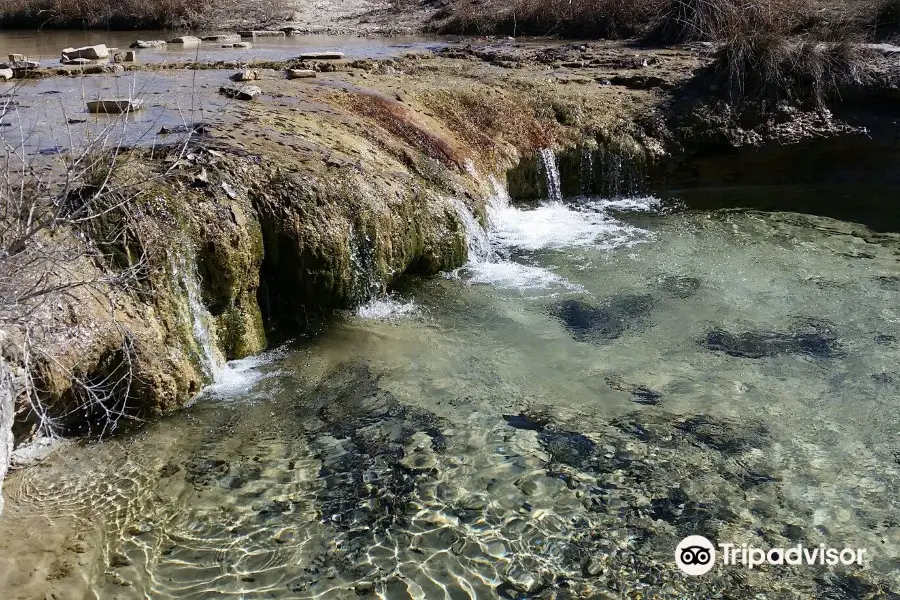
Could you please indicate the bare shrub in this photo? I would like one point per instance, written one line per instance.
(768, 69)
(570, 18)
(70, 234)
(687, 21)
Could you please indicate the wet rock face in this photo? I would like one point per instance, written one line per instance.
(813, 339)
(606, 323)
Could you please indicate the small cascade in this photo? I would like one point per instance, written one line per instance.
(550, 168)
(366, 284)
(184, 268)
(587, 171)
(499, 200)
(476, 237)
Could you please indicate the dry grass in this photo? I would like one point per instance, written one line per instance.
(566, 18)
(136, 14)
(768, 69)
(685, 21)
(485, 120)
(670, 21)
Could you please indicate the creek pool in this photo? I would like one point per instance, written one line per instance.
(603, 379)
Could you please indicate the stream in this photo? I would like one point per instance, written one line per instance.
(604, 378)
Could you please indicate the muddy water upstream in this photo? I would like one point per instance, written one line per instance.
(603, 379)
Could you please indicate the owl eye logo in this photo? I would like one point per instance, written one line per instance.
(695, 555)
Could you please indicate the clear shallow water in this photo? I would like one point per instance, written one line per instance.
(602, 380)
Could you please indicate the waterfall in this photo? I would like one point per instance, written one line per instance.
(366, 285)
(476, 237)
(587, 171)
(184, 268)
(551, 172)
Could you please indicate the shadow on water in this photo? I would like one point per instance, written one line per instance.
(875, 206)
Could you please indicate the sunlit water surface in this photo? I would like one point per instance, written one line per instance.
(603, 379)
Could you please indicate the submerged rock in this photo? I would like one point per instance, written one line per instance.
(811, 338)
(681, 286)
(606, 323)
(566, 447)
(362, 446)
(722, 436)
(640, 394)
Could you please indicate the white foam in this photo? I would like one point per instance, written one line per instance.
(513, 275)
(555, 226)
(238, 376)
(551, 226)
(387, 309)
(646, 204)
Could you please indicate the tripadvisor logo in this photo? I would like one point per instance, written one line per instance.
(696, 555)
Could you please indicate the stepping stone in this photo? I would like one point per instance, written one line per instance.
(187, 41)
(143, 45)
(224, 38)
(261, 33)
(91, 52)
(321, 56)
(114, 107)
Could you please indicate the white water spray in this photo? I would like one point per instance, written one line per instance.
(506, 254)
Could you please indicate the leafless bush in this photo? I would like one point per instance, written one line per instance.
(570, 18)
(686, 21)
(69, 233)
(768, 69)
